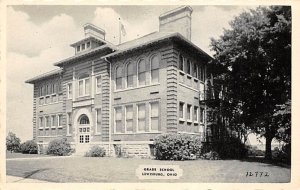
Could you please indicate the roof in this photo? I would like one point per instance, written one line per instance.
(84, 54)
(126, 47)
(150, 39)
(44, 75)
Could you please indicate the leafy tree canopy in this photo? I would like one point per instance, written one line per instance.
(253, 60)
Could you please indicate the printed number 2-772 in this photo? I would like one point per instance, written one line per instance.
(257, 174)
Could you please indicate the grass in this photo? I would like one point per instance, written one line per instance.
(87, 169)
(20, 155)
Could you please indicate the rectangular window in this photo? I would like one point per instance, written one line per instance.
(129, 118)
(69, 89)
(54, 98)
(48, 121)
(42, 101)
(47, 132)
(98, 121)
(181, 77)
(154, 116)
(195, 71)
(87, 86)
(60, 120)
(188, 67)
(181, 110)
(69, 123)
(88, 45)
(98, 84)
(78, 48)
(141, 117)
(47, 101)
(196, 114)
(188, 112)
(41, 122)
(81, 88)
(181, 62)
(84, 87)
(201, 115)
(54, 120)
(118, 120)
(53, 132)
(82, 46)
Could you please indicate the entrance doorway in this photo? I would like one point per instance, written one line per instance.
(84, 129)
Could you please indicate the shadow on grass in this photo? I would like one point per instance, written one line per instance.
(269, 162)
(31, 173)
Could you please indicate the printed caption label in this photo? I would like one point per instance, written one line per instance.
(159, 172)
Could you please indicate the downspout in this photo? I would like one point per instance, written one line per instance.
(110, 104)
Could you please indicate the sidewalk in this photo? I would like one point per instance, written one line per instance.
(14, 179)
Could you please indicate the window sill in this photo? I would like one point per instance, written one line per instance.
(59, 127)
(97, 134)
(181, 72)
(41, 128)
(69, 135)
(189, 121)
(181, 120)
(138, 87)
(53, 127)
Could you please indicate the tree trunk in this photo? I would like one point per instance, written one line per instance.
(268, 152)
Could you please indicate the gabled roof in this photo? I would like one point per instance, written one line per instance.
(44, 75)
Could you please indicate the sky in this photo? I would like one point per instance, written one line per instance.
(38, 36)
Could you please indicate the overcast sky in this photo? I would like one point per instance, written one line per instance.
(38, 36)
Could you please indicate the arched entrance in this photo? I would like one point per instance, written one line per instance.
(84, 129)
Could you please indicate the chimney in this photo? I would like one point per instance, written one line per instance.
(177, 20)
(94, 31)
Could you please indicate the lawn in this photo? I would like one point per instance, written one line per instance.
(83, 169)
(20, 155)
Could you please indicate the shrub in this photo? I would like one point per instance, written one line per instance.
(177, 147)
(212, 155)
(12, 142)
(231, 148)
(59, 147)
(95, 151)
(29, 147)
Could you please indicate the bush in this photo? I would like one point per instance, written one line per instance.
(212, 155)
(29, 147)
(59, 147)
(231, 148)
(95, 151)
(177, 147)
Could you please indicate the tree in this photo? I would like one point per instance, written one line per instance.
(253, 60)
(12, 142)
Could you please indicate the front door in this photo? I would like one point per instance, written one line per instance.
(84, 134)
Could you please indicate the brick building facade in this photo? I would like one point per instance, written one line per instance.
(124, 95)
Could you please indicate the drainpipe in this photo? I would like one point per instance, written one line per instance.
(110, 102)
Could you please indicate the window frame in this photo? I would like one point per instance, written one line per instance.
(115, 119)
(59, 120)
(69, 123)
(129, 63)
(144, 72)
(118, 78)
(158, 69)
(83, 80)
(137, 118)
(183, 111)
(196, 108)
(98, 126)
(150, 116)
(98, 91)
(189, 109)
(70, 89)
(126, 131)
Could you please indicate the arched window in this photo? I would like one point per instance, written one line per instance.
(84, 120)
(119, 78)
(130, 73)
(142, 73)
(154, 69)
